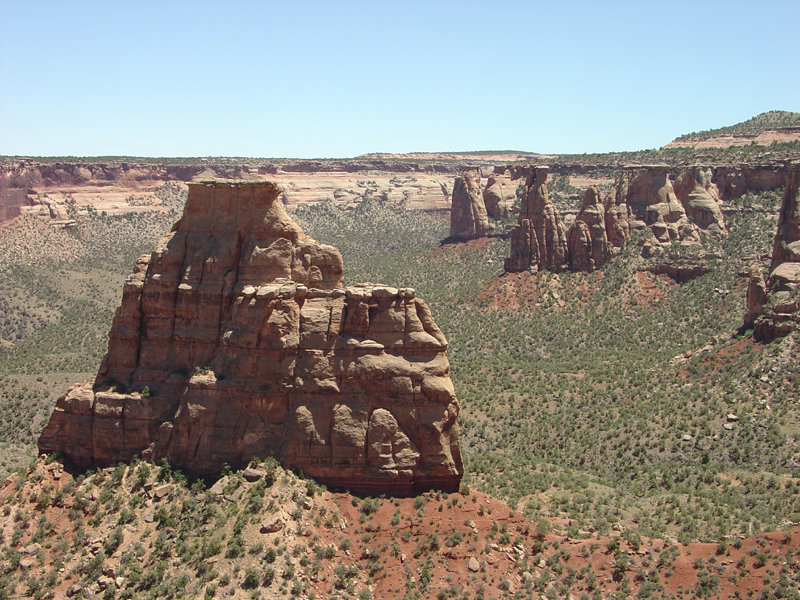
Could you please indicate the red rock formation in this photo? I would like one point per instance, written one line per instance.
(236, 338)
(781, 308)
(588, 243)
(538, 241)
(499, 193)
(653, 204)
(756, 297)
(700, 200)
(10, 203)
(468, 219)
(617, 216)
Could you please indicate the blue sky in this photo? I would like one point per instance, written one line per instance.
(337, 79)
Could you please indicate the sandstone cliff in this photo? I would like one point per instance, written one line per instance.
(700, 200)
(618, 216)
(499, 193)
(780, 306)
(468, 218)
(589, 247)
(11, 201)
(236, 338)
(653, 204)
(538, 241)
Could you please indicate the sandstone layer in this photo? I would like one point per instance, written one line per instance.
(468, 219)
(653, 203)
(499, 193)
(11, 202)
(779, 306)
(589, 247)
(236, 338)
(538, 240)
(700, 200)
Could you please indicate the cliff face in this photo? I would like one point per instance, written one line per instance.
(589, 247)
(778, 303)
(499, 193)
(653, 203)
(468, 218)
(10, 203)
(538, 240)
(240, 329)
(700, 200)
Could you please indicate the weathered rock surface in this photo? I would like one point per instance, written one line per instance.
(588, 242)
(781, 307)
(11, 201)
(468, 219)
(653, 203)
(538, 241)
(617, 216)
(241, 330)
(756, 297)
(499, 193)
(700, 200)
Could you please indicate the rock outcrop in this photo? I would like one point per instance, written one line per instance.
(701, 201)
(618, 216)
(11, 201)
(588, 242)
(499, 193)
(538, 241)
(236, 338)
(653, 204)
(468, 219)
(781, 307)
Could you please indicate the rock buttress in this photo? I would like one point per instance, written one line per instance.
(468, 219)
(236, 338)
(538, 240)
(779, 306)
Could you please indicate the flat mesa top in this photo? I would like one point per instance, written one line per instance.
(234, 183)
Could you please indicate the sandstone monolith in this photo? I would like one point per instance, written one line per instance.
(468, 219)
(538, 241)
(236, 338)
(588, 242)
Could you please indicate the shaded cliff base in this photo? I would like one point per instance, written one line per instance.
(141, 531)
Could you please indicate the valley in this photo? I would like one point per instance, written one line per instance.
(624, 422)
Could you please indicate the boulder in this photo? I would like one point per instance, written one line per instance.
(468, 219)
(273, 524)
(240, 327)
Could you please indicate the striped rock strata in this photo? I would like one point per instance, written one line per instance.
(237, 339)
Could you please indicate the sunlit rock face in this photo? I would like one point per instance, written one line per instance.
(779, 303)
(236, 338)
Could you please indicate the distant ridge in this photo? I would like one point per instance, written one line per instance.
(763, 129)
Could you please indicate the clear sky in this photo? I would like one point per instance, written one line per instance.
(337, 79)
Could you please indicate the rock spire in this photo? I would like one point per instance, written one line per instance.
(538, 241)
(468, 219)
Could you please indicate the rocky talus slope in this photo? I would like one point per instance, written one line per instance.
(772, 305)
(236, 338)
